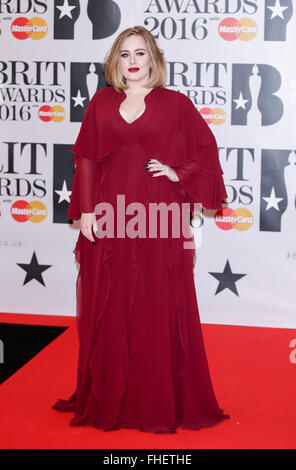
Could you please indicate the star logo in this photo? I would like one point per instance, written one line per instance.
(78, 99)
(240, 102)
(34, 270)
(65, 10)
(272, 201)
(64, 193)
(277, 10)
(251, 90)
(227, 279)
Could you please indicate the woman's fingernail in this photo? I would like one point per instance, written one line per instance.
(148, 160)
(145, 165)
(93, 243)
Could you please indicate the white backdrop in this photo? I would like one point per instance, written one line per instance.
(235, 59)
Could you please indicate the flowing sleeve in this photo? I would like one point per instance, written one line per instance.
(200, 176)
(83, 196)
(86, 161)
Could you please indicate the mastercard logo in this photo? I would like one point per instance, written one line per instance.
(241, 219)
(213, 116)
(35, 28)
(51, 113)
(244, 29)
(34, 211)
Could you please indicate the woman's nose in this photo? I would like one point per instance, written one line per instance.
(132, 59)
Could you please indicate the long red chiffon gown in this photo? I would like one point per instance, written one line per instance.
(142, 362)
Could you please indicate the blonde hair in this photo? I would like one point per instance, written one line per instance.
(113, 74)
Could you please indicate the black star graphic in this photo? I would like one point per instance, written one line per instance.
(34, 270)
(227, 279)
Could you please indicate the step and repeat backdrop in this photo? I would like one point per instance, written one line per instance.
(235, 60)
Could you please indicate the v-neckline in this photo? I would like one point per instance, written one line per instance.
(141, 115)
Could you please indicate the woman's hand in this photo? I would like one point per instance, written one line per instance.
(88, 222)
(155, 165)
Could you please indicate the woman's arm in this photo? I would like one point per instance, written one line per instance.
(200, 177)
(83, 196)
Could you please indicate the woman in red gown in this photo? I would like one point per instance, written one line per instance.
(142, 362)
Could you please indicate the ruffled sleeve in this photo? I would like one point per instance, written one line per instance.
(83, 196)
(200, 176)
(186, 144)
(92, 146)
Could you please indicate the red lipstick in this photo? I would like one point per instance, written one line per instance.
(133, 69)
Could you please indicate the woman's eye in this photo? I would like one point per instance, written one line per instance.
(125, 54)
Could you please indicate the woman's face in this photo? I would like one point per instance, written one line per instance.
(134, 61)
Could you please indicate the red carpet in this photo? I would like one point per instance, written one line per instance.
(252, 374)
